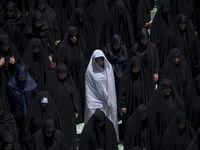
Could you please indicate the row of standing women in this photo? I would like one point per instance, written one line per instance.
(98, 87)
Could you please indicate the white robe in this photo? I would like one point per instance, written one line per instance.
(100, 90)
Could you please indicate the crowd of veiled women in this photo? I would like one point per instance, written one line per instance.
(65, 62)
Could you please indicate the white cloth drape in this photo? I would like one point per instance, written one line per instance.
(100, 90)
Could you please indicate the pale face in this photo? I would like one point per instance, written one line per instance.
(99, 61)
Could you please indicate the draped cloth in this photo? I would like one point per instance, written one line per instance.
(140, 132)
(100, 89)
(175, 138)
(94, 137)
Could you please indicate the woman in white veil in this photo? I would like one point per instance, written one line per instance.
(100, 88)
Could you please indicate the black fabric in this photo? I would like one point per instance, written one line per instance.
(162, 108)
(7, 69)
(38, 65)
(66, 98)
(180, 74)
(175, 138)
(194, 144)
(195, 6)
(20, 4)
(161, 23)
(97, 10)
(36, 115)
(136, 148)
(193, 105)
(132, 89)
(50, 17)
(141, 132)
(59, 6)
(186, 41)
(14, 25)
(181, 6)
(94, 137)
(7, 139)
(150, 60)
(73, 55)
(117, 58)
(84, 28)
(43, 33)
(8, 125)
(43, 142)
(141, 13)
(119, 21)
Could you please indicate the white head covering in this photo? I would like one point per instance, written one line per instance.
(44, 100)
(100, 89)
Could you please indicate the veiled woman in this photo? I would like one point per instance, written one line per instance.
(72, 52)
(100, 88)
(193, 105)
(178, 134)
(64, 93)
(141, 131)
(164, 104)
(178, 71)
